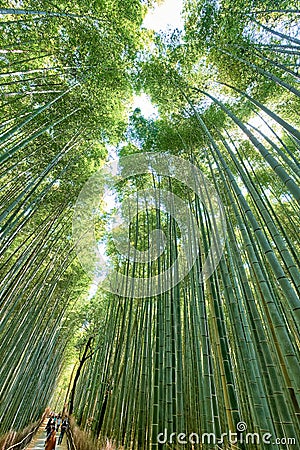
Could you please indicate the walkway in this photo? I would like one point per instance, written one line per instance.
(38, 442)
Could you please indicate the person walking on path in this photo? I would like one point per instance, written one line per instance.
(58, 423)
(49, 426)
(63, 429)
(51, 440)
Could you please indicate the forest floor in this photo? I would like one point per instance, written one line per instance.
(38, 442)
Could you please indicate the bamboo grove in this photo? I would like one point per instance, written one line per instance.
(201, 357)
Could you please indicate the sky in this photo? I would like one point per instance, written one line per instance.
(165, 16)
(143, 102)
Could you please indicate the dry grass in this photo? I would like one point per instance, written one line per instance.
(84, 441)
(110, 446)
(13, 437)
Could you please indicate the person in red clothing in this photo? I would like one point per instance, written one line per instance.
(51, 440)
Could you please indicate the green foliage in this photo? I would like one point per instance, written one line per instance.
(201, 356)
(65, 86)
